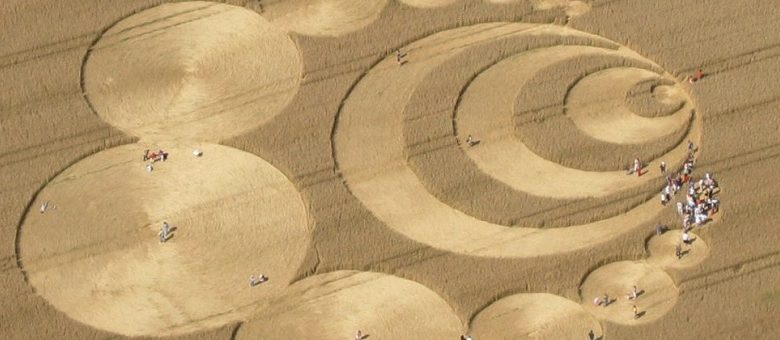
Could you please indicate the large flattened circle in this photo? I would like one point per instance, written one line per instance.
(533, 316)
(95, 253)
(196, 70)
(338, 304)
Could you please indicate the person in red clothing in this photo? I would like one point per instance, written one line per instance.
(696, 77)
(638, 167)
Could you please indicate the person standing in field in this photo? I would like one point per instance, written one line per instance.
(633, 294)
(696, 77)
(165, 232)
(638, 167)
(399, 58)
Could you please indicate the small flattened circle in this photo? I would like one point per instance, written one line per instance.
(663, 253)
(534, 316)
(657, 293)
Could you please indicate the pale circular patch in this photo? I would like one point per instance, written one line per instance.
(95, 253)
(534, 316)
(338, 304)
(191, 70)
(323, 17)
(577, 8)
(662, 250)
(427, 3)
(658, 293)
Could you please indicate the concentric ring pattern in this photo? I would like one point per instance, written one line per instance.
(400, 139)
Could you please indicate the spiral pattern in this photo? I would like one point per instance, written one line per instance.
(513, 86)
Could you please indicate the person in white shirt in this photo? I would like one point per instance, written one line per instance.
(686, 238)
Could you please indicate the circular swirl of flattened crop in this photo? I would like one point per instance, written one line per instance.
(191, 71)
(96, 255)
(551, 114)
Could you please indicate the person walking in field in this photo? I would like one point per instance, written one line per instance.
(471, 141)
(696, 77)
(638, 167)
(663, 167)
(256, 280)
(686, 238)
(678, 251)
(591, 335)
(666, 195)
(636, 312)
(633, 294)
(165, 231)
(399, 58)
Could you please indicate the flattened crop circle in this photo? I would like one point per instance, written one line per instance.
(95, 255)
(195, 70)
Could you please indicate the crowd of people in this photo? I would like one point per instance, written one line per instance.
(697, 209)
(154, 156)
(700, 201)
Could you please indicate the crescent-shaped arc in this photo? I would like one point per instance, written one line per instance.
(369, 149)
(507, 159)
(596, 105)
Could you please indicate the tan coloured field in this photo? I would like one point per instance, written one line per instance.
(342, 171)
